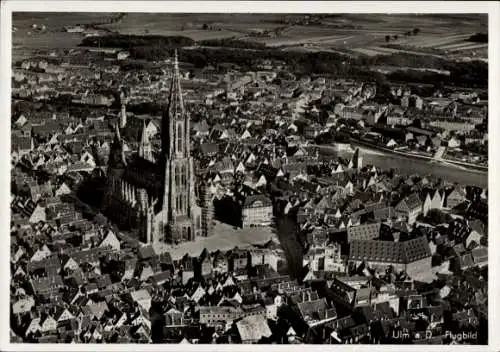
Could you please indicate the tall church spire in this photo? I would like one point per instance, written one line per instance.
(178, 183)
(176, 102)
(175, 122)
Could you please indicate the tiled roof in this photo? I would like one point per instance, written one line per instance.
(390, 252)
(315, 310)
(416, 249)
(44, 284)
(412, 202)
(90, 254)
(364, 232)
(381, 251)
(50, 262)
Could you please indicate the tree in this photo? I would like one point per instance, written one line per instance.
(395, 36)
(387, 38)
(416, 31)
(205, 26)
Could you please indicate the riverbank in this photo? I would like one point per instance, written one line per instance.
(410, 166)
(447, 162)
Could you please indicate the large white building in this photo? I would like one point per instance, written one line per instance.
(257, 210)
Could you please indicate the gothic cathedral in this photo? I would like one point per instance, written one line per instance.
(156, 196)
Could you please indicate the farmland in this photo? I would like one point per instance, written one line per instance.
(194, 26)
(28, 34)
(349, 34)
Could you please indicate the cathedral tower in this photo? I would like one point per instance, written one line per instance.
(156, 197)
(178, 201)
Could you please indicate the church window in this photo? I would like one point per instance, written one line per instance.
(183, 176)
(177, 177)
(179, 138)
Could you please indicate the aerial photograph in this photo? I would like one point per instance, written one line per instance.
(244, 178)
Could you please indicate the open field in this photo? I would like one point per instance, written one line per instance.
(366, 34)
(461, 44)
(377, 50)
(56, 21)
(450, 44)
(23, 46)
(286, 41)
(192, 25)
(352, 34)
(476, 46)
(25, 38)
(431, 41)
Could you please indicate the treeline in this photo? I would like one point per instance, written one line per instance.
(479, 38)
(232, 43)
(471, 74)
(156, 48)
(131, 41)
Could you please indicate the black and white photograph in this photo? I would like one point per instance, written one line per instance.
(302, 178)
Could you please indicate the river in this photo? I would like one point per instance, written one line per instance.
(422, 167)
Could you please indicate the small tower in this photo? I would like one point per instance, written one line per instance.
(123, 111)
(145, 148)
(207, 205)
